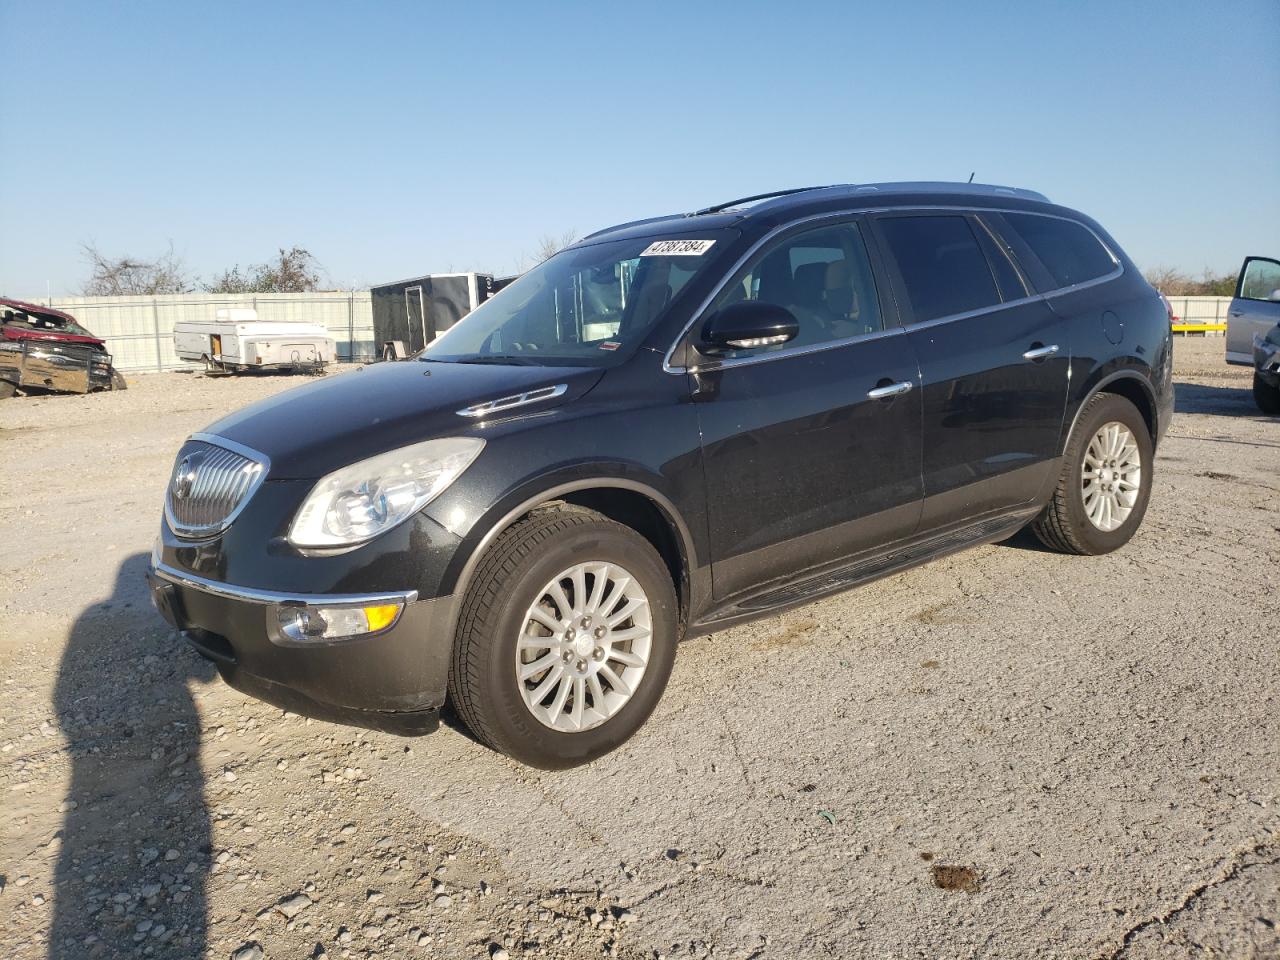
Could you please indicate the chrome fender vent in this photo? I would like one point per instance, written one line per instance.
(503, 404)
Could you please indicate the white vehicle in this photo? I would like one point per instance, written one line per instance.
(237, 340)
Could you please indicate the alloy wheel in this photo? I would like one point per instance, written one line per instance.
(584, 646)
(1111, 476)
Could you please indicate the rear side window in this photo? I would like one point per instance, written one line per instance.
(1071, 253)
(943, 267)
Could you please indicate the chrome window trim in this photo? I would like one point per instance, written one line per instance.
(203, 533)
(249, 595)
(502, 404)
(668, 367)
(714, 364)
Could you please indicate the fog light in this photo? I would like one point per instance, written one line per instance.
(303, 624)
(381, 617)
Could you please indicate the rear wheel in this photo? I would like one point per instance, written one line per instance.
(7, 389)
(1105, 482)
(118, 381)
(566, 639)
(1266, 396)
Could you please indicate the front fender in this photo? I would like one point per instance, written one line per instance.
(481, 530)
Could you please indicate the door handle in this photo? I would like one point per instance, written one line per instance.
(1039, 353)
(890, 390)
(1236, 313)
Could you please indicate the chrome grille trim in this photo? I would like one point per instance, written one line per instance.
(225, 477)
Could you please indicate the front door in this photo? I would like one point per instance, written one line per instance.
(994, 365)
(1255, 308)
(416, 314)
(811, 449)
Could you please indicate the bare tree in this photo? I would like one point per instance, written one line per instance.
(131, 277)
(293, 271)
(550, 245)
(1168, 280)
(1176, 283)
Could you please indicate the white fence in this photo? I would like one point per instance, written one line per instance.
(1201, 310)
(139, 330)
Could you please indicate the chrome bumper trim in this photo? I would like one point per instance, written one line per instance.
(249, 595)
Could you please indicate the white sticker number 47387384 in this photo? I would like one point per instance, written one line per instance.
(677, 248)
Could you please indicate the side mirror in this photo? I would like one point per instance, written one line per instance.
(750, 323)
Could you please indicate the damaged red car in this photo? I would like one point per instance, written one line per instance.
(45, 350)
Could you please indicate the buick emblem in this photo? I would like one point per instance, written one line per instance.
(184, 477)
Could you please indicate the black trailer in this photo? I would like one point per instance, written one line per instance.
(409, 314)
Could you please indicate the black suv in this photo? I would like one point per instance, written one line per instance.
(672, 426)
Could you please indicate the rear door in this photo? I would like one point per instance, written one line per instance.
(811, 449)
(415, 311)
(1255, 309)
(993, 360)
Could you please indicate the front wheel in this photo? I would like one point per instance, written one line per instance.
(1105, 483)
(7, 389)
(566, 639)
(1266, 395)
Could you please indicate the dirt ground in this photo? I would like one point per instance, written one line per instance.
(1006, 753)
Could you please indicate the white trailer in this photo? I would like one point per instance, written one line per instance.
(237, 340)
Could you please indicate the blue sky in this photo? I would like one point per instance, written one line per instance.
(398, 139)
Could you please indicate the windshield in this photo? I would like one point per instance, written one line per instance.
(38, 321)
(588, 306)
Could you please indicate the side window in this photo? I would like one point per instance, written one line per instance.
(822, 276)
(1008, 278)
(1260, 279)
(941, 263)
(1070, 252)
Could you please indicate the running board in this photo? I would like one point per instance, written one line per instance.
(865, 570)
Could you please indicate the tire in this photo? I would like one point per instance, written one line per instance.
(1065, 523)
(118, 381)
(514, 574)
(7, 389)
(1266, 396)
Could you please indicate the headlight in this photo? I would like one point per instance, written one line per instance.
(370, 497)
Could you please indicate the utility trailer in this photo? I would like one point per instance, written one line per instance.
(409, 314)
(237, 340)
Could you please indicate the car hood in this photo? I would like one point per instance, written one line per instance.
(312, 430)
(50, 336)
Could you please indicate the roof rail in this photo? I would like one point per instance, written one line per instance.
(716, 208)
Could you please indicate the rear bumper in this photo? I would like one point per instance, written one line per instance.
(394, 680)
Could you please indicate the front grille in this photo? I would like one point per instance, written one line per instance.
(210, 485)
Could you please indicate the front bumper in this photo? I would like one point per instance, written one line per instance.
(60, 367)
(1266, 360)
(394, 680)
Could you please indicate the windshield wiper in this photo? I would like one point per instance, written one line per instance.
(504, 359)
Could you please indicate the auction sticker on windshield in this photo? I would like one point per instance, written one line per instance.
(677, 248)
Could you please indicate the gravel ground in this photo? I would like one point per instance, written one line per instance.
(1004, 753)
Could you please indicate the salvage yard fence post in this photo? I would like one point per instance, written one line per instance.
(155, 319)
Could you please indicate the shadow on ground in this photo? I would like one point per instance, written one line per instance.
(1225, 401)
(134, 853)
